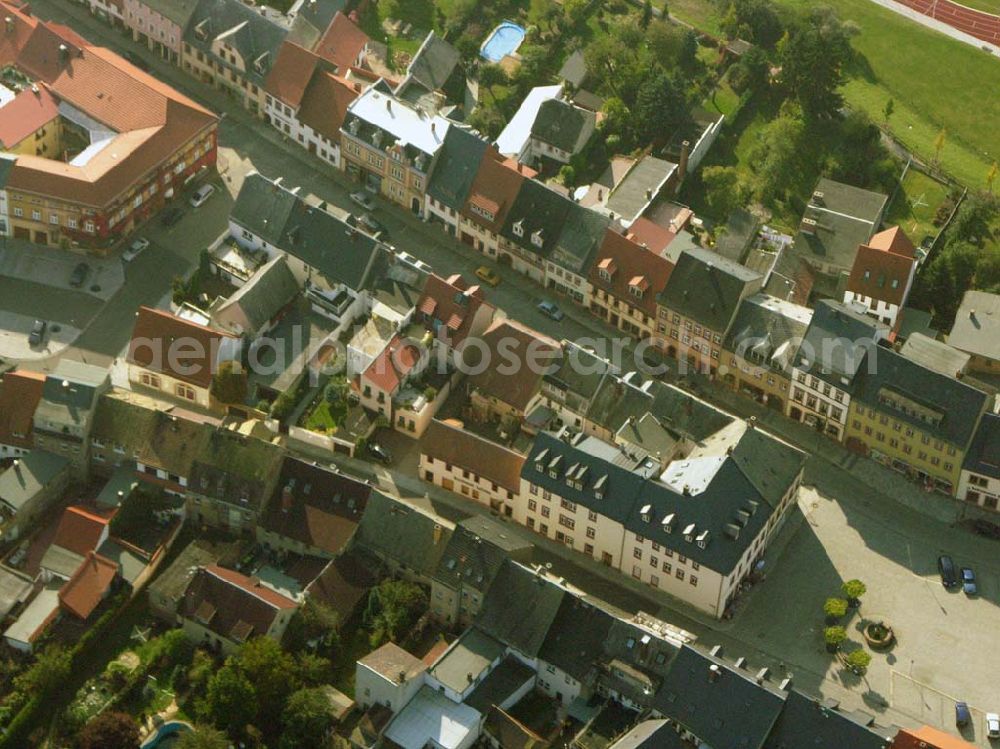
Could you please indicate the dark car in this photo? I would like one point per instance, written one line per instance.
(946, 568)
(968, 581)
(963, 716)
(550, 310)
(37, 334)
(171, 216)
(379, 453)
(79, 275)
(373, 226)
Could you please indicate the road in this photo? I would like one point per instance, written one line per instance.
(249, 144)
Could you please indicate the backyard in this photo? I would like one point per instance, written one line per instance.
(921, 206)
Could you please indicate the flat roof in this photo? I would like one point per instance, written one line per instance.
(35, 615)
(431, 718)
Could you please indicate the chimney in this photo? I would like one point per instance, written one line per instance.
(714, 672)
(682, 167)
(437, 534)
(65, 384)
(649, 194)
(9, 23)
(402, 677)
(286, 498)
(752, 422)
(388, 105)
(972, 314)
(433, 128)
(808, 226)
(63, 54)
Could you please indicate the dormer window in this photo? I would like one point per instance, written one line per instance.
(668, 523)
(868, 275)
(702, 539)
(537, 239)
(518, 228)
(540, 460)
(689, 533)
(554, 465)
(377, 139)
(606, 269)
(570, 477)
(637, 286)
(201, 29)
(353, 126)
(599, 486)
(260, 64)
(895, 283)
(646, 513)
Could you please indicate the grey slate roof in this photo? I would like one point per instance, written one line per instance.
(741, 228)
(473, 653)
(804, 722)
(578, 372)
(312, 20)
(640, 185)
(983, 455)
(934, 354)
(15, 587)
(393, 530)
(434, 63)
(510, 675)
(728, 710)
(33, 472)
(7, 162)
(178, 11)
(977, 325)
(845, 217)
(575, 640)
(519, 608)
(256, 37)
(562, 125)
(766, 330)
(707, 288)
(574, 69)
(130, 564)
(747, 481)
(959, 405)
(651, 734)
(836, 342)
(476, 551)
(581, 235)
(537, 207)
(264, 295)
(456, 167)
(263, 207)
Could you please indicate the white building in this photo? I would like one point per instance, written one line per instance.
(882, 275)
(979, 482)
(388, 676)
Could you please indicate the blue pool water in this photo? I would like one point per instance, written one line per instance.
(504, 40)
(166, 736)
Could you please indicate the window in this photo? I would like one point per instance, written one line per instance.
(680, 574)
(667, 567)
(637, 552)
(694, 580)
(567, 522)
(545, 511)
(591, 516)
(654, 581)
(591, 533)
(36, 215)
(532, 505)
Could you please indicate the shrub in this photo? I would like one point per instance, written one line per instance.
(858, 661)
(853, 590)
(835, 607)
(834, 636)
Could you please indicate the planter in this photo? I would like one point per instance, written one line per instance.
(878, 635)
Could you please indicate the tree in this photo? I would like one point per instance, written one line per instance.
(834, 608)
(858, 661)
(203, 737)
(229, 383)
(647, 14)
(887, 110)
(51, 669)
(834, 637)
(392, 607)
(313, 670)
(853, 590)
(272, 672)
(231, 701)
(491, 76)
(813, 58)
(109, 730)
(723, 190)
(306, 719)
(575, 12)
(660, 107)
(752, 73)
(755, 21)
(774, 158)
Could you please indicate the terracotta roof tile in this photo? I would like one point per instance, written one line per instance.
(494, 189)
(631, 264)
(392, 366)
(20, 392)
(79, 530)
(291, 74)
(513, 385)
(452, 303)
(342, 42)
(452, 444)
(325, 101)
(29, 111)
(195, 347)
(927, 737)
(88, 586)
(882, 268)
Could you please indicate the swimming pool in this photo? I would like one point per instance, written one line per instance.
(504, 40)
(167, 735)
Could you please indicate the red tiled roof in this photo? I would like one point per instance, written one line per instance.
(926, 737)
(231, 604)
(392, 366)
(29, 111)
(494, 189)
(645, 232)
(20, 392)
(344, 583)
(79, 530)
(452, 303)
(170, 345)
(293, 68)
(634, 265)
(90, 583)
(454, 445)
(513, 384)
(325, 102)
(882, 268)
(342, 42)
(251, 587)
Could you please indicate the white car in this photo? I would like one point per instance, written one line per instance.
(993, 725)
(201, 195)
(364, 200)
(138, 245)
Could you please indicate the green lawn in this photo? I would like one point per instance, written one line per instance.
(916, 204)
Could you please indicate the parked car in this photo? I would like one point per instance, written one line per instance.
(372, 225)
(37, 334)
(138, 245)
(364, 199)
(379, 453)
(946, 567)
(172, 215)
(550, 310)
(993, 725)
(79, 275)
(969, 581)
(963, 716)
(201, 195)
(487, 275)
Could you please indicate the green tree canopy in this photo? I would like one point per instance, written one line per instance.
(203, 737)
(109, 730)
(307, 719)
(231, 700)
(813, 58)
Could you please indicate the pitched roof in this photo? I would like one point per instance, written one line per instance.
(707, 288)
(28, 476)
(766, 330)
(178, 11)
(164, 343)
(291, 73)
(579, 371)
(231, 604)
(341, 43)
(20, 392)
(537, 215)
(934, 354)
(390, 368)
(263, 207)
(519, 608)
(264, 294)
(575, 640)
(383, 119)
(345, 582)
(316, 506)
(574, 69)
(494, 190)
(458, 447)
(312, 20)
(562, 125)
(514, 385)
(631, 266)
(977, 325)
(640, 186)
(325, 102)
(932, 402)
(456, 167)
(475, 552)
(722, 706)
(807, 722)
(391, 529)
(651, 734)
(393, 663)
(515, 135)
(88, 586)
(883, 267)
(836, 342)
(581, 236)
(79, 530)
(510, 732)
(983, 455)
(434, 63)
(927, 737)
(27, 112)
(235, 469)
(450, 306)
(844, 217)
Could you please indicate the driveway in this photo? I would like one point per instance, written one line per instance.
(48, 266)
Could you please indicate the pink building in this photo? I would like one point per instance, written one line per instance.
(159, 24)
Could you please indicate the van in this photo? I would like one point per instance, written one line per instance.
(201, 195)
(946, 568)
